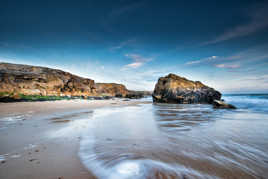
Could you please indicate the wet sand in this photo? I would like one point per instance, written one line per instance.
(41, 139)
(162, 141)
(119, 139)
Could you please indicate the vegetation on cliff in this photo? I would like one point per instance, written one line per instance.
(33, 83)
(31, 80)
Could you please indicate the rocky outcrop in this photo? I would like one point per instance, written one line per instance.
(119, 90)
(219, 104)
(111, 89)
(176, 89)
(32, 80)
(20, 82)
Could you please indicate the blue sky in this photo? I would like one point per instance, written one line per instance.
(224, 44)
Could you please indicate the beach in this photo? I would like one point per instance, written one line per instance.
(41, 139)
(122, 139)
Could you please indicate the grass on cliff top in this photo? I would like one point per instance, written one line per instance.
(41, 98)
(23, 97)
(4, 94)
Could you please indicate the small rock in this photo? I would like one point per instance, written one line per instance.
(222, 105)
(36, 150)
(31, 160)
(3, 161)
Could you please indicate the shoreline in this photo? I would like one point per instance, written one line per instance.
(41, 139)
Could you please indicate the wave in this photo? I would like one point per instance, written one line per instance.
(253, 102)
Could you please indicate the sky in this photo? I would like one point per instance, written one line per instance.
(223, 44)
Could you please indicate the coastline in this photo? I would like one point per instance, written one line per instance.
(41, 139)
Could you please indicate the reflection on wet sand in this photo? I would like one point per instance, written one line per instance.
(174, 141)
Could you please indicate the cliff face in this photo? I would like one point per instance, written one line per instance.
(32, 80)
(176, 89)
(111, 89)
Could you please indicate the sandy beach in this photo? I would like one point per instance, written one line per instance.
(41, 139)
(118, 139)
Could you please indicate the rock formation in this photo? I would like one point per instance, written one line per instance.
(111, 89)
(119, 90)
(32, 80)
(176, 89)
(20, 81)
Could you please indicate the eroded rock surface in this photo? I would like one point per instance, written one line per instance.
(176, 89)
(111, 89)
(32, 80)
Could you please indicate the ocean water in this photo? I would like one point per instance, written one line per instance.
(179, 140)
(251, 102)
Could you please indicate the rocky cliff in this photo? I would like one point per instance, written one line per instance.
(32, 80)
(119, 90)
(111, 89)
(176, 89)
(20, 81)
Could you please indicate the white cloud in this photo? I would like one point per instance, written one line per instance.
(134, 65)
(208, 59)
(226, 65)
(246, 58)
(122, 44)
(257, 22)
(137, 61)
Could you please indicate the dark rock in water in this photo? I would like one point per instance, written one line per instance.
(176, 89)
(119, 96)
(107, 97)
(222, 105)
(98, 98)
(135, 94)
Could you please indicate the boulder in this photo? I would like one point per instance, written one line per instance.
(176, 89)
(219, 104)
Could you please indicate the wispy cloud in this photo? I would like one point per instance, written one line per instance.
(203, 60)
(115, 14)
(248, 57)
(137, 61)
(259, 78)
(257, 22)
(122, 44)
(227, 65)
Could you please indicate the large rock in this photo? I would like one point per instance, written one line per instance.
(32, 80)
(176, 89)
